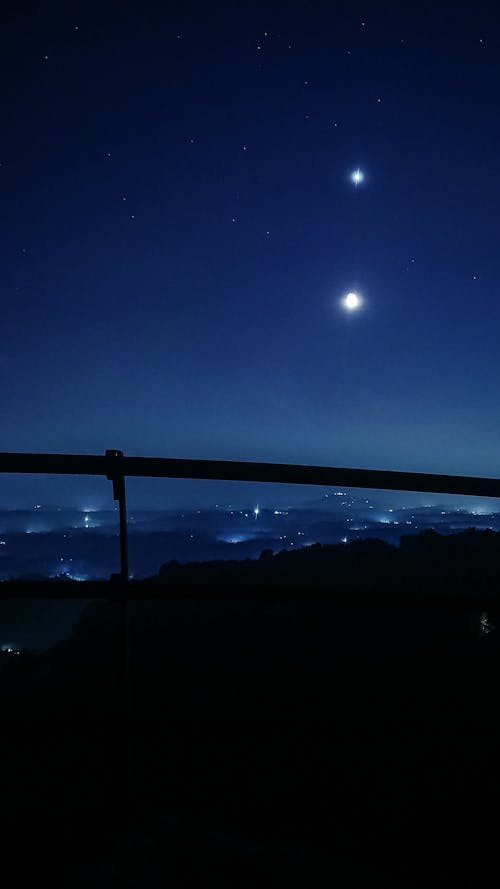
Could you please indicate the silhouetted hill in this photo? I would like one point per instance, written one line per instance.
(265, 722)
(428, 563)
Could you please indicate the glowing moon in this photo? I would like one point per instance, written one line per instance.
(351, 301)
(357, 177)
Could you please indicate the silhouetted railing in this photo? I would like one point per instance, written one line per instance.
(116, 467)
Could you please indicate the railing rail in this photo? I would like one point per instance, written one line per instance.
(116, 467)
(114, 462)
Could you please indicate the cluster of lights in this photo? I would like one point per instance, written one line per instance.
(485, 624)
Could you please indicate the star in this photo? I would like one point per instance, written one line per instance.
(357, 177)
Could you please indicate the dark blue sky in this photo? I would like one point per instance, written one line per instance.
(179, 228)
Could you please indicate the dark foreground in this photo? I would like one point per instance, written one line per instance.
(265, 745)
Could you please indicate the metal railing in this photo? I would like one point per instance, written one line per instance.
(115, 466)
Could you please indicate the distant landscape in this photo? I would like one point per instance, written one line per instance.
(50, 541)
(423, 568)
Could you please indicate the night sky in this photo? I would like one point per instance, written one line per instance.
(179, 228)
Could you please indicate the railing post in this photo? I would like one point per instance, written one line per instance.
(116, 476)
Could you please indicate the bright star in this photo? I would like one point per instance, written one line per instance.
(357, 177)
(351, 301)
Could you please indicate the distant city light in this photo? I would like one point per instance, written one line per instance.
(235, 538)
(256, 512)
(10, 649)
(486, 626)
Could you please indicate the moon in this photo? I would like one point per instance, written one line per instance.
(351, 301)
